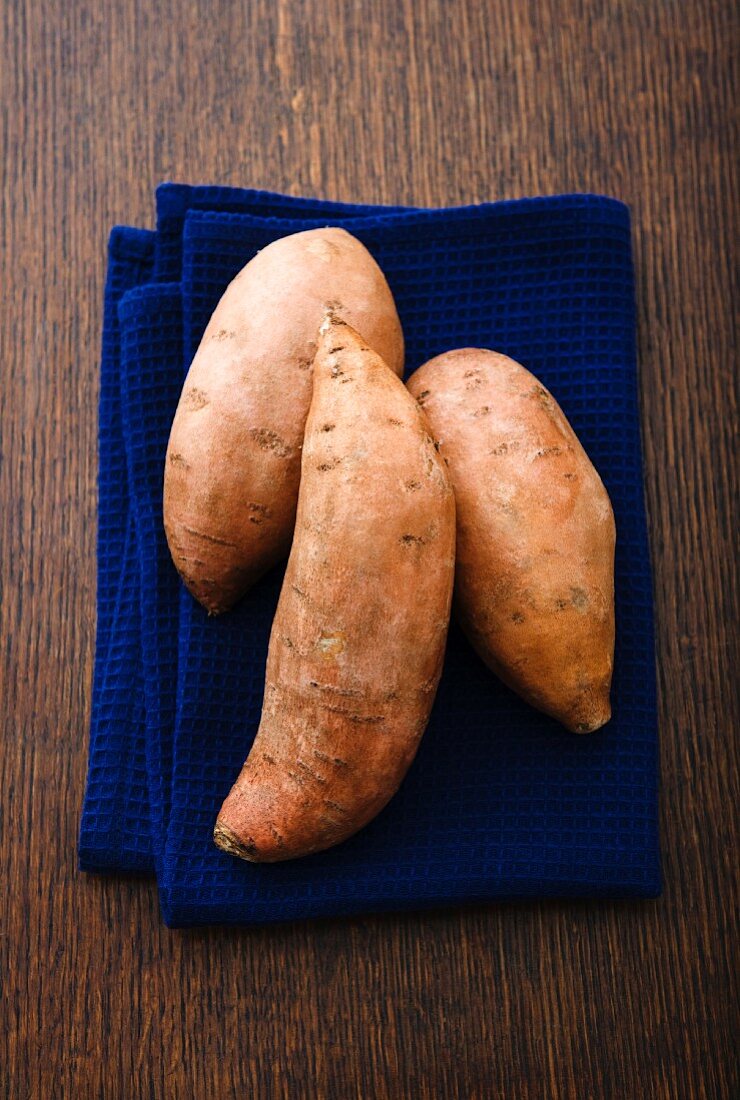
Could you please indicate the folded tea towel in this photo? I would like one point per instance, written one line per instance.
(501, 802)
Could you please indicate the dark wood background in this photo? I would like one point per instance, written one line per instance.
(433, 102)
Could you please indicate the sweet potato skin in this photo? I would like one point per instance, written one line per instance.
(534, 585)
(233, 461)
(358, 639)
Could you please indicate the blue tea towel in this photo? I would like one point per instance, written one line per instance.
(500, 802)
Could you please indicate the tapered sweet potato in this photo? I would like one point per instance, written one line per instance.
(534, 586)
(233, 460)
(358, 638)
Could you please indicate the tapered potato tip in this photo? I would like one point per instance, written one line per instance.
(227, 841)
(591, 722)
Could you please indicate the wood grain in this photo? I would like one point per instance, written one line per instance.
(429, 103)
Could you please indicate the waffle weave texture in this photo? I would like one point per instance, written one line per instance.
(501, 802)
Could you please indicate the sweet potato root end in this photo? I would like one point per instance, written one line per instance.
(227, 841)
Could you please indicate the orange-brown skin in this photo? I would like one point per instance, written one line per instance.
(534, 585)
(233, 461)
(358, 638)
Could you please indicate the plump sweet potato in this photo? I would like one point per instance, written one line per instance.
(534, 586)
(358, 639)
(233, 460)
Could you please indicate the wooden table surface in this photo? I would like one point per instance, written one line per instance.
(432, 103)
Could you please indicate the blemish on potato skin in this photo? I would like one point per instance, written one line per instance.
(194, 399)
(268, 440)
(517, 618)
(258, 513)
(539, 393)
(326, 759)
(331, 465)
(310, 771)
(334, 806)
(508, 446)
(579, 599)
(484, 410)
(353, 715)
(322, 248)
(334, 690)
(223, 334)
(176, 459)
(412, 486)
(330, 644)
(207, 537)
(328, 427)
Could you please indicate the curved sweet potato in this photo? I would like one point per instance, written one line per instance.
(358, 639)
(534, 585)
(233, 459)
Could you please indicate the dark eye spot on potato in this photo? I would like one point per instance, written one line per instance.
(579, 599)
(332, 465)
(267, 440)
(482, 411)
(258, 513)
(540, 394)
(195, 399)
(328, 427)
(177, 459)
(409, 540)
(517, 617)
(570, 476)
(223, 334)
(412, 486)
(421, 398)
(396, 423)
(333, 351)
(334, 806)
(548, 452)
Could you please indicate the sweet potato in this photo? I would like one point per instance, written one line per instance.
(233, 460)
(534, 585)
(358, 638)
